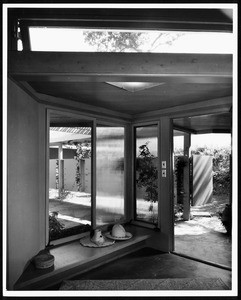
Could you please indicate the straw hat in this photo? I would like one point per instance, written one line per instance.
(118, 232)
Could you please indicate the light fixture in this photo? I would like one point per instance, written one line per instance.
(135, 86)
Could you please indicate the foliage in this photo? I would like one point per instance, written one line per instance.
(178, 152)
(180, 163)
(226, 218)
(221, 165)
(55, 227)
(114, 41)
(178, 211)
(83, 151)
(221, 182)
(147, 173)
(127, 41)
(57, 230)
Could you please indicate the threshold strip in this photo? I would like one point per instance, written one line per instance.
(203, 261)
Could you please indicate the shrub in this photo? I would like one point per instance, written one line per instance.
(57, 230)
(221, 182)
(221, 168)
(54, 225)
(147, 173)
(226, 218)
(180, 164)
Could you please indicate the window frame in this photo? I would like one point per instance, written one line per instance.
(82, 117)
(95, 122)
(122, 22)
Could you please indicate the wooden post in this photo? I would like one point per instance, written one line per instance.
(61, 169)
(93, 176)
(186, 183)
(165, 191)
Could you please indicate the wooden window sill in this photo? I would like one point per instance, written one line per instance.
(72, 259)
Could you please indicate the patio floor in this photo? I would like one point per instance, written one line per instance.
(204, 237)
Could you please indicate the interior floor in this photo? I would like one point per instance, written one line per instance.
(148, 263)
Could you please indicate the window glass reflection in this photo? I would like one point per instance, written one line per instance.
(109, 175)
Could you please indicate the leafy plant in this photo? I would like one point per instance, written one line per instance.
(180, 164)
(57, 230)
(83, 151)
(147, 174)
(221, 166)
(55, 227)
(178, 211)
(226, 218)
(114, 41)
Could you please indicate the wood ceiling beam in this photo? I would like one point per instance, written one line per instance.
(138, 18)
(101, 67)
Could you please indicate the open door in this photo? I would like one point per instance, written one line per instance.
(202, 198)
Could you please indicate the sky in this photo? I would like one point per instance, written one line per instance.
(218, 140)
(211, 140)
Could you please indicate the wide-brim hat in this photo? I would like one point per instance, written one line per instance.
(127, 236)
(118, 232)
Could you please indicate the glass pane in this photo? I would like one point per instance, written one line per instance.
(147, 174)
(43, 38)
(109, 175)
(178, 142)
(69, 181)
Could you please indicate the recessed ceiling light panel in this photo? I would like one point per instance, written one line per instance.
(135, 86)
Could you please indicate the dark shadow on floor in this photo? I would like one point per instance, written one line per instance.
(153, 264)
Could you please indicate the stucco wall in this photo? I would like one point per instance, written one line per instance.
(25, 202)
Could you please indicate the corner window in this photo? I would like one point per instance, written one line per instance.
(77, 155)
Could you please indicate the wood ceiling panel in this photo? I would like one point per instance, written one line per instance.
(110, 97)
(219, 123)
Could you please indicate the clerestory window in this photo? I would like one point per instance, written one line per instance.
(72, 39)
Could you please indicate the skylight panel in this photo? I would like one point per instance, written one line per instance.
(135, 86)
